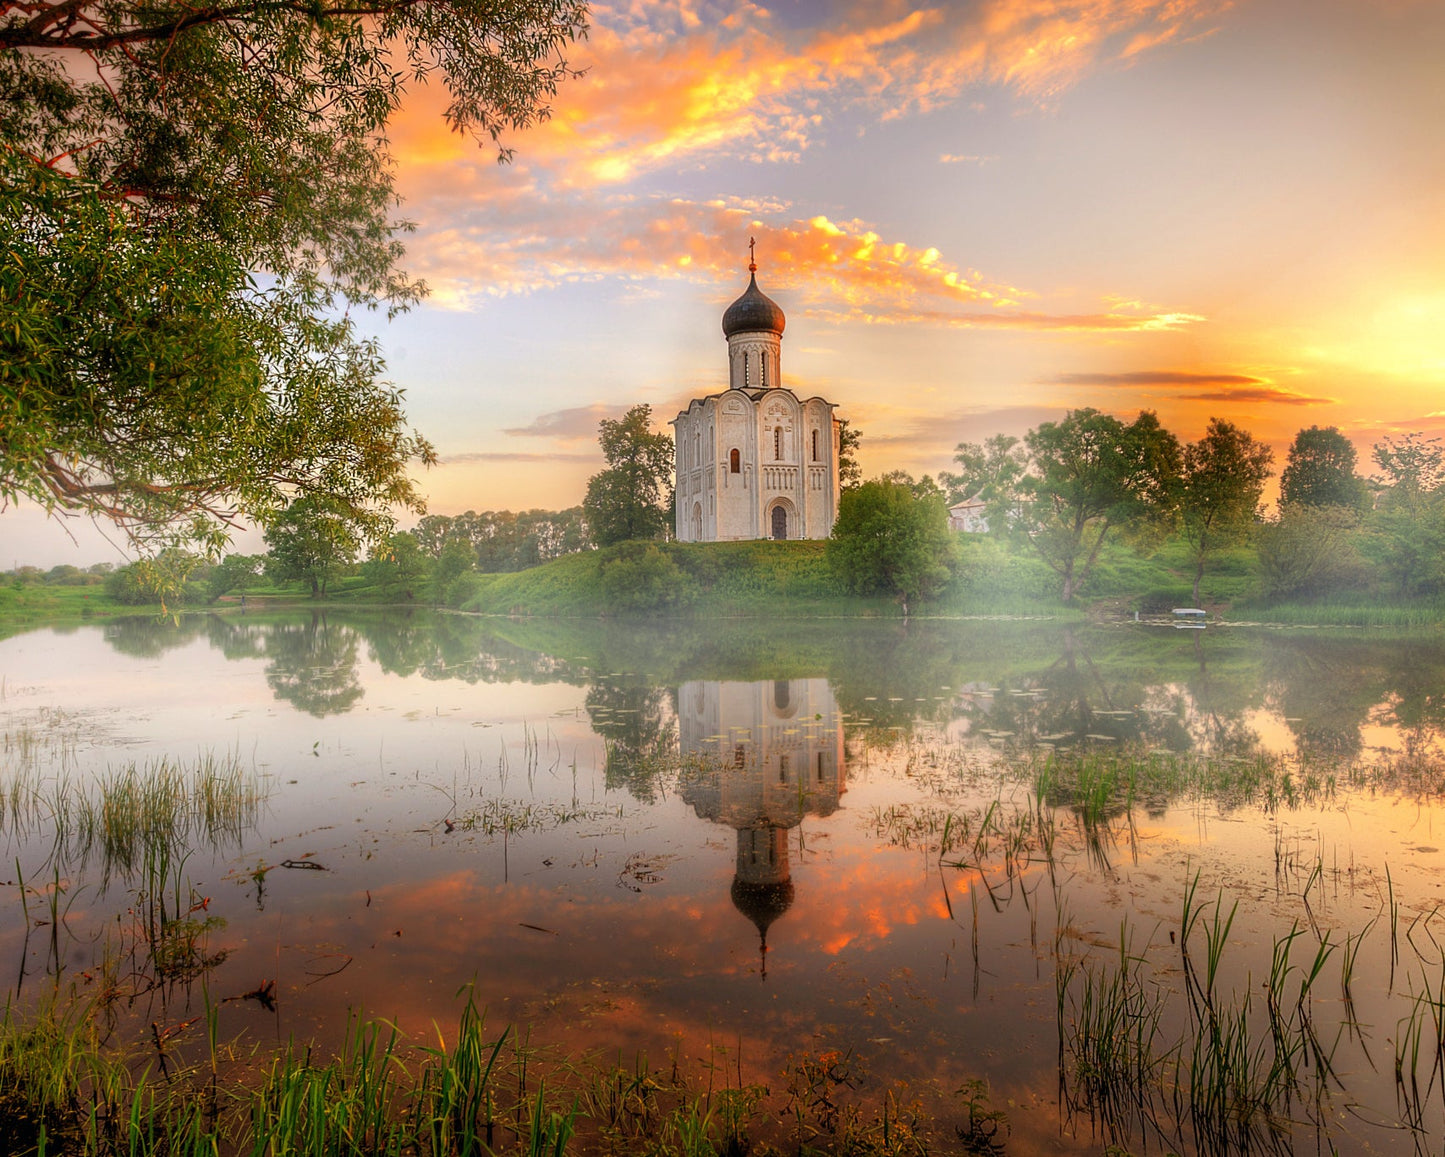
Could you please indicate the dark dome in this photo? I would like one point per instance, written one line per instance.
(762, 903)
(753, 311)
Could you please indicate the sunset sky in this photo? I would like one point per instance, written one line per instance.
(975, 215)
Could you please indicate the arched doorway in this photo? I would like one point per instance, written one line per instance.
(780, 522)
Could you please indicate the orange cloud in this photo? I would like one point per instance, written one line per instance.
(678, 86)
(839, 271)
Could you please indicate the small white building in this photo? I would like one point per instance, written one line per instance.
(969, 516)
(755, 461)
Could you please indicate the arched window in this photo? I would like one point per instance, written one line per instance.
(735, 462)
(781, 697)
(697, 449)
(778, 443)
(815, 445)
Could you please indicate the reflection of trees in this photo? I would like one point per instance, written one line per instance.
(894, 676)
(312, 664)
(1414, 699)
(237, 638)
(638, 723)
(1329, 689)
(457, 647)
(1324, 700)
(151, 636)
(1038, 681)
(1158, 690)
(401, 642)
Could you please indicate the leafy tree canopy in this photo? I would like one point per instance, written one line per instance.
(850, 473)
(191, 196)
(1409, 527)
(632, 498)
(1411, 466)
(892, 539)
(990, 471)
(1091, 475)
(1224, 476)
(1320, 471)
(312, 541)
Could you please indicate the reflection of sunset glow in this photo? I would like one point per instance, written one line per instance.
(927, 965)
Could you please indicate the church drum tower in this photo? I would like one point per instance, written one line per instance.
(755, 461)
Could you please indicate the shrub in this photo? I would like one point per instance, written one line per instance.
(640, 579)
(1311, 551)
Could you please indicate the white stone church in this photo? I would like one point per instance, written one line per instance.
(755, 461)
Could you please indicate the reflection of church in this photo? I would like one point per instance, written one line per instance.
(771, 753)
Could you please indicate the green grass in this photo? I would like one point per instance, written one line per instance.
(27, 605)
(127, 816)
(743, 580)
(470, 1093)
(1355, 611)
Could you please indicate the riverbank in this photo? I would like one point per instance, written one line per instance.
(766, 580)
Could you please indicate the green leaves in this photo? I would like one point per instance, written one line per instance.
(632, 498)
(191, 199)
(1088, 475)
(889, 541)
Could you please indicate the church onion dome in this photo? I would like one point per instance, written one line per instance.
(754, 311)
(762, 903)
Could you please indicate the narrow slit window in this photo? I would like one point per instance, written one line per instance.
(735, 462)
(778, 443)
(815, 445)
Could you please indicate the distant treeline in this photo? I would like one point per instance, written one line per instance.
(504, 542)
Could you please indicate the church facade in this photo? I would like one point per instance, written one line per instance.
(755, 461)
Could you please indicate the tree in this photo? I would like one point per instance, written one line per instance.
(850, 474)
(1409, 526)
(398, 565)
(991, 471)
(456, 559)
(1223, 478)
(235, 570)
(1320, 471)
(1413, 470)
(632, 498)
(311, 541)
(191, 199)
(1090, 475)
(887, 540)
(1310, 550)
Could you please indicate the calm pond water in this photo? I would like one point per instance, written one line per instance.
(766, 841)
